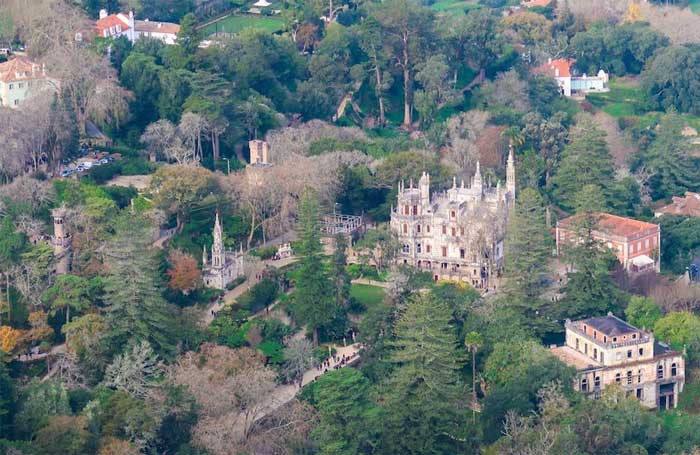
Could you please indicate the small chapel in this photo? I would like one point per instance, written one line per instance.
(222, 267)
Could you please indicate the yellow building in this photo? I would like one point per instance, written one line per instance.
(607, 350)
(20, 78)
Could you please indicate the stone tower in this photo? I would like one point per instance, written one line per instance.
(218, 255)
(61, 242)
(478, 183)
(259, 152)
(424, 187)
(510, 172)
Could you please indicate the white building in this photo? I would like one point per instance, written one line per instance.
(224, 266)
(456, 235)
(20, 78)
(116, 25)
(572, 85)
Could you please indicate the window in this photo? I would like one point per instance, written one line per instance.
(639, 246)
(444, 251)
(617, 378)
(641, 352)
(444, 229)
(646, 243)
(453, 214)
(601, 357)
(405, 228)
(16, 102)
(418, 248)
(461, 253)
(12, 86)
(20, 85)
(634, 336)
(427, 248)
(614, 339)
(595, 334)
(418, 228)
(406, 209)
(674, 369)
(454, 232)
(629, 377)
(584, 385)
(585, 348)
(415, 210)
(639, 376)
(605, 339)
(660, 372)
(640, 394)
(596, 382)
(427, 228)
(632, 248)
(406, 249)
(595, 353)
(577, 344)
(629, 354)
(461, 231)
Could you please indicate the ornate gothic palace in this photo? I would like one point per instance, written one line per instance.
(457, 234)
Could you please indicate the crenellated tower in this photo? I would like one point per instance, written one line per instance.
(61, 241)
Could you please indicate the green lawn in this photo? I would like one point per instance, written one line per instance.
(621, 101)
(367, 295)
(235, 24)
(452, 5)
(694, 6)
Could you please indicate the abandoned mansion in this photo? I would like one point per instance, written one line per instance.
(457, 234)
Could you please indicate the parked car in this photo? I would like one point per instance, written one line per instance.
(67, 173)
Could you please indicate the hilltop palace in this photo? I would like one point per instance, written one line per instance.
(225, 266)
(458, 234)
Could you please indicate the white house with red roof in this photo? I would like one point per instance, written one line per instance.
(120, 24)
(570, 84)
(20, 78)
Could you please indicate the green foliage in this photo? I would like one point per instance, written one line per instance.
(273, 351)
(262, 294)
(264, 252)
(39, 401)
(642, 312)
(666, 88)
(682, 331)
(367, 295)
(681, 242)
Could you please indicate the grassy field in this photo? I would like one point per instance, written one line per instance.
(623, 99)
(367, 295)
(452, 5)
(694, 6)
(235, 24)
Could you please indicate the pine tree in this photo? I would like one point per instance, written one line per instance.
(422, 416)
(586, 161)
(528, 247)
(135, 308)
(341, 279)
(313, 299)
(590, 289)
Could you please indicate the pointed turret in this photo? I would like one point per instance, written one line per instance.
(477, 183)
(204, 255)
(510, 172)
(424, 189)
(217, 249)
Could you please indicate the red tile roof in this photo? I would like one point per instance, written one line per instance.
(533, 3)
(110, 21)
(687, 206)
(19, 69)
(612, 225)
(156, 27)
(563, 65)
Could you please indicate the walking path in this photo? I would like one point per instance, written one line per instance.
(58, 349)
(369, 282)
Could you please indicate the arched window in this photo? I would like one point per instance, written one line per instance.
(584, 385)
(674, 369)
(660, 372)
(406, 248)
(405, 228)
(418, 248)
(418, 228)
(617, 378)
(596, 382)
(629, 377)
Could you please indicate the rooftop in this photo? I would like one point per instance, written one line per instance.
(18, 69)
(156, 27)
(560, 67)
(688, 205)
(111, 21)
(533, 3)
(609, 325)
(612, 225)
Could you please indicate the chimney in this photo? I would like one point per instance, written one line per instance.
(103, 13)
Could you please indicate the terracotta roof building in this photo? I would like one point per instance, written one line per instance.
(116, 25)
(607, 350)
(534, 3)
(570, 84)
(685, 206)
(19, 79)
(635, 243)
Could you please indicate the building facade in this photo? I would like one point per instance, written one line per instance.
(573, 85)
(607, 350)
(458, 234)
(224, 266)
(635, 243)
(21, 78)
(689, 205)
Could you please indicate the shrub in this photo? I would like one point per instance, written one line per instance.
(259, 296)
(274, 329)
(106, 172)
(273, 350)
(264, 252)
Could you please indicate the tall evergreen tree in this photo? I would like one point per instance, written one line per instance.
(586, 161)
(590, 289)
(341, 279)
(528, 247)
(135, 308)
(313, 299)
(421, 412)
